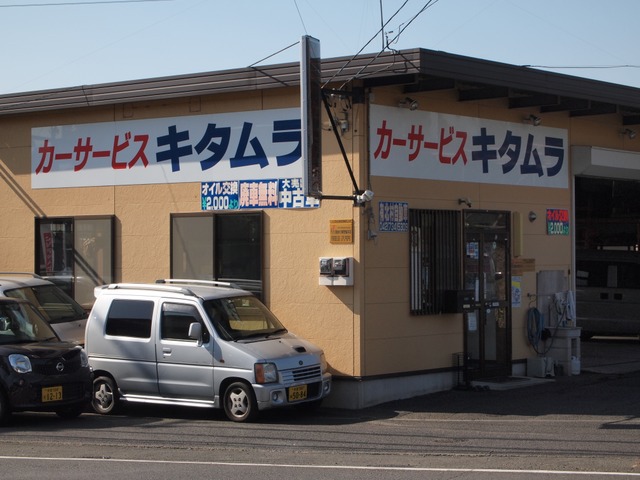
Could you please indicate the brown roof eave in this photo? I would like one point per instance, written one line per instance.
(381, 68)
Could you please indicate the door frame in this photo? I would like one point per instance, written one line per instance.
(484, 310)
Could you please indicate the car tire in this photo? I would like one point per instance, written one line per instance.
(240, 403)
(5, 410)
(104, 399)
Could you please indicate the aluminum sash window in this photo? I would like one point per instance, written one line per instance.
(435, 252)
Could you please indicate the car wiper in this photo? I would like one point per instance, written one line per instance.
(22, 340)
(276, 332)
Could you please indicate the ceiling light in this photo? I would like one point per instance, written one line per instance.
(533, 120)
(629, 133)
(409, 103)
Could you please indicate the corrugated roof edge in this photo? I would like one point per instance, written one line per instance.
(414, 62)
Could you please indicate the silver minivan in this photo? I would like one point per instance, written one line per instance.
(608, 292)
(200, 344)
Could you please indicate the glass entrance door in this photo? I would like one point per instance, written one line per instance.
(487, 274)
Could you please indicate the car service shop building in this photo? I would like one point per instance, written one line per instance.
(472, 165)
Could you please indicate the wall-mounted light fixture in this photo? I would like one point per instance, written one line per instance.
(364, 197)
(409, 103)
(465, 200)
(533, 120)
(532, 216)
(629, 133)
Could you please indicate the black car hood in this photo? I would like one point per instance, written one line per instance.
(39, 349)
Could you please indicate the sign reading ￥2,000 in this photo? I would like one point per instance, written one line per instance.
(557, 221)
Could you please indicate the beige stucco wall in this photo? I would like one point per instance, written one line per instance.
(294, 239)
(396, 341)
(366, 330)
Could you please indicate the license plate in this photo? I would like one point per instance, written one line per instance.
(51, 394)
(297, 393)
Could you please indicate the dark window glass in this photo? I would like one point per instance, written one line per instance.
(54, 304)
(76, 254)
(224, 247)
(130, 318)
(607, 214)
(435, 253)
(176, 320)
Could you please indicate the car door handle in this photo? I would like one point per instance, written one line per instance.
(166, 351)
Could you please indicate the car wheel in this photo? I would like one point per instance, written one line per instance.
(71, 412)
(105, 397)
(5, 411)
(240, 402)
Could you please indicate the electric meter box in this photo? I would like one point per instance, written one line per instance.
(336, 271)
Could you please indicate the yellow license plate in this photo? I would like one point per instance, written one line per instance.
(51, 394)
(297, 393)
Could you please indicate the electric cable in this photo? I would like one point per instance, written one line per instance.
(535, 327)
(365, 46)
(427, 5)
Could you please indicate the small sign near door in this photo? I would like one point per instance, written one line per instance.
(557, 221)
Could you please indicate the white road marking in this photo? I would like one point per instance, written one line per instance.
(326, 467)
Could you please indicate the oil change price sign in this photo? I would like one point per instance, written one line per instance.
(255, 194)
(557, 221)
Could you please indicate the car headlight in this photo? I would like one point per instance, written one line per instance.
(20, 363)
(323, 362)
(84, 358)
(266, 372)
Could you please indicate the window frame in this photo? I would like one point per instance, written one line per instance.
(113, 325)
(79, 252)
(435, 258)
(256, 286)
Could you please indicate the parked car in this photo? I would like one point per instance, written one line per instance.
(198, 343)
(608, 292)
(66, 316)
(38, 371)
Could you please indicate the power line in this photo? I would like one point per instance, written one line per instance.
(300, 15)
(273, 54)
(585, 67)
(78, 3)
(365, 46)
(426, 5)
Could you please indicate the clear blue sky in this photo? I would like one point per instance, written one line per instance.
(79, 44)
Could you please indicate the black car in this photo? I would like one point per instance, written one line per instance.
(38, 371)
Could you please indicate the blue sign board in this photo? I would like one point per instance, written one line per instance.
(255, 194)
(394, 216)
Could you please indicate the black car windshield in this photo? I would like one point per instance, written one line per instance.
(55, 305)
(21, 322)
(237, 318)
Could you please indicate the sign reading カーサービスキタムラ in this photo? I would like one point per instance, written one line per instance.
(257, 145)
(435, 146)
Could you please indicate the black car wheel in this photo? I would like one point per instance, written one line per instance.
(240, 402)
(105, 397)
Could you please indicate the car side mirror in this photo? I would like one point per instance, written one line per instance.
(195, 332)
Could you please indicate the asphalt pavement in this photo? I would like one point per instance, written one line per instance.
(608, 383)
(611, 355)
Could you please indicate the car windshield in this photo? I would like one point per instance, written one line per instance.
(55, 305)
(238, 318)
(21, 322)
